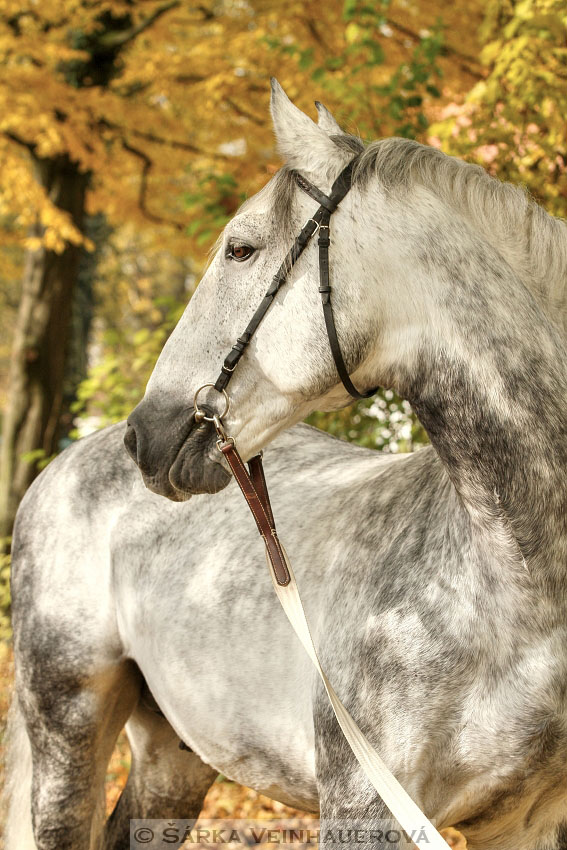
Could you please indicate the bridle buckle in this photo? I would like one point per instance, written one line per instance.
(219, 427)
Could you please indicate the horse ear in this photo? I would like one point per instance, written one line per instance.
(326, 121)
(302, 144)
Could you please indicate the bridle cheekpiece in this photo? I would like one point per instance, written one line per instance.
(320, 222)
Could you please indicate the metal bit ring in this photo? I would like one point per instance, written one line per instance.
(200, 415)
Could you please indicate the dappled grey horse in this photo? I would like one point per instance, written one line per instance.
(434, 582)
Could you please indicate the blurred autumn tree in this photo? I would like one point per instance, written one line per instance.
(141, 295)
(61, 124)
(98, 113)
(104, 105)
(513, 121)
(156, 114)
(372, 89)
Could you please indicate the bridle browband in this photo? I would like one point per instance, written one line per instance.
(319, 222)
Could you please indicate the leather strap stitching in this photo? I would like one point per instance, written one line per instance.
(233, 457)
(254, 489)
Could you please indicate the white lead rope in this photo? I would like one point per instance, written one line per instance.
(253, 486)
(407, 813)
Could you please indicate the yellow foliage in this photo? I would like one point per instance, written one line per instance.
(514, 121)
(188, 82)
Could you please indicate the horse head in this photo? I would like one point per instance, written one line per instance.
(287, 370)
(437, 271)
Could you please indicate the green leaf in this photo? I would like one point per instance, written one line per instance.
(305, 59)
(432, 90)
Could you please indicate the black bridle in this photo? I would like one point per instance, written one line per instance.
(320, 221)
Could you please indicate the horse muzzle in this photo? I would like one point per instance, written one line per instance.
(175, 454)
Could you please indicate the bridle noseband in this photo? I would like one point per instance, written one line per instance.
(319, 222)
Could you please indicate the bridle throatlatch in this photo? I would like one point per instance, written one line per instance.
(253, 486)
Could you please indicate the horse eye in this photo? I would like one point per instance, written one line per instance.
(240, 252)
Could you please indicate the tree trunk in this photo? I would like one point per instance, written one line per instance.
(32, 415)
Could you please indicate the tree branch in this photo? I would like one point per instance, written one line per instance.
(30, 146)
(158, 140)
(115, 41)
(244, 112)
(207, 13)
(146, 168)
(189, 78)
(316, 35)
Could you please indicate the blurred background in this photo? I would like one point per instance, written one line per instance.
(131, 131)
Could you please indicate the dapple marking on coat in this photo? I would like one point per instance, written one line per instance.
(434, 582)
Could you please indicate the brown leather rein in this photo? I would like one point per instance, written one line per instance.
(252, 481)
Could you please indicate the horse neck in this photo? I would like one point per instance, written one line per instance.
(485, 373)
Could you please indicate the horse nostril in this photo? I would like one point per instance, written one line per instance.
(131, 442)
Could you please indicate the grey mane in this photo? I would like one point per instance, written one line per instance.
(531, 241)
